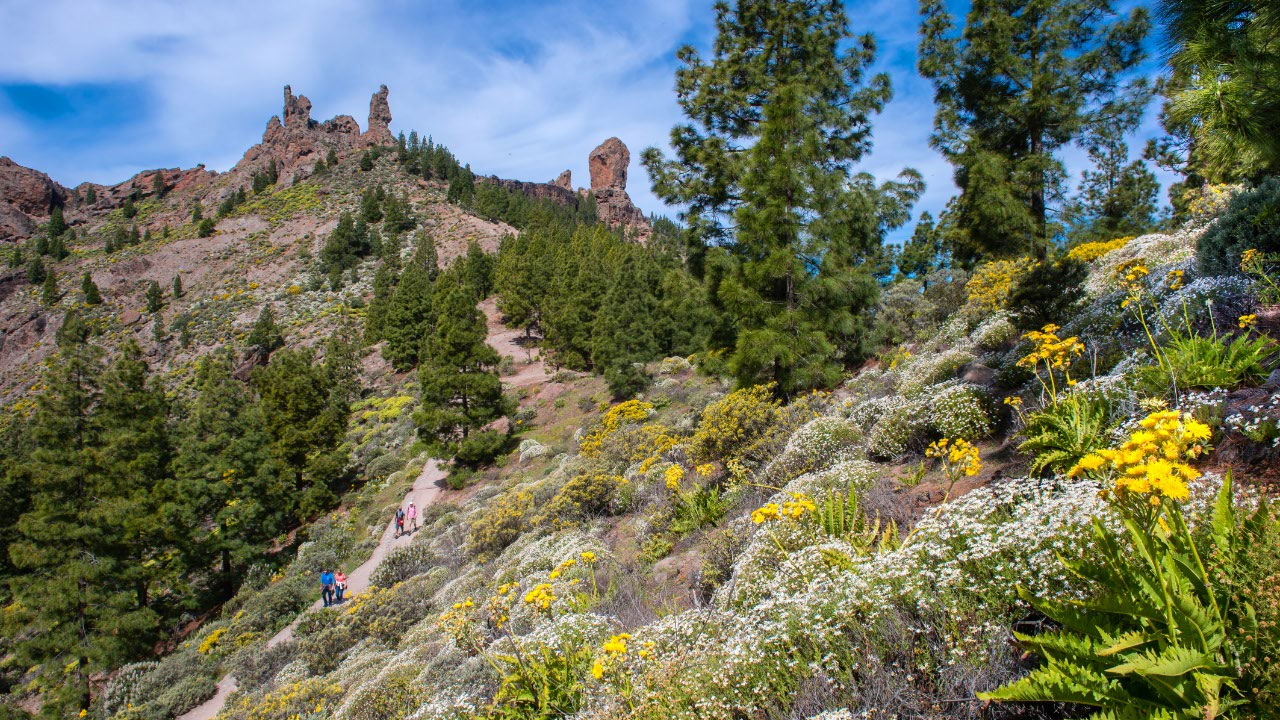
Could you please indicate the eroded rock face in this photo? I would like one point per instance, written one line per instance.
(379, 132)
(26, 198)
(564, 180)
(297, 141)
(608, 164)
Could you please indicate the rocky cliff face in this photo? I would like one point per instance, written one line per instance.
(297, 142)
(26, 198)
(608, 164)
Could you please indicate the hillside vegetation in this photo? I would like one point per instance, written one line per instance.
(758, 463)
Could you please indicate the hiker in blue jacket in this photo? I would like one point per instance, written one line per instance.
(326, 587)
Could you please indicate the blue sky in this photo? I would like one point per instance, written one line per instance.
(99, 90)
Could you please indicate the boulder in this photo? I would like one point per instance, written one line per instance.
(608, 164)
(564, 180)
(26, 198)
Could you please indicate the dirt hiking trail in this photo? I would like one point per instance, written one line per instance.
(426, 490)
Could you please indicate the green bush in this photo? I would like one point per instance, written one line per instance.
(1197, 361)
(586, 495)
(401, 564)
(1057, 436)
(1048, 293)
(480, 448)
(700, 508)
(1252, 220)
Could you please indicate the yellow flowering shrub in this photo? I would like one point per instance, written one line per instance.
(1090, 251)
(991, 283)
(631, 411)
(500, 523)
(735, 425)
(958, 457)
(210, 642)
(585, 495)
(672, 477)
(1152, 463)
(794, 509)
(307, 697)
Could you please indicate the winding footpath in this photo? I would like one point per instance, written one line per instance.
(426, 490)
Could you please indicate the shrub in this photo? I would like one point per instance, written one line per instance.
(900, 428)
(1048, 291)
(480, 448)
(584, 496)
(1057, 436)
(500, 523)
(931, 369)
(306, 698)
(1251, 221)
(735, 427)
(991, 283)
(1195, 361)
(393, 696)
(1090, 251)
(995, 332)
(401, 564)
(960, 410)
(700, 508)
(157, 691)
(205, 228)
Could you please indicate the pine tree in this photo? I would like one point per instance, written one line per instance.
(42, 245)
(409, 319)
(305, 421)
(273, 172)
(370, 210)
(206, 228)
(477, 270)
(177, 286)
(157, 185)
(155, 297)
(623, 333)
(923, 252)
(58, 249)
(15, 256)
(197, 213)
(80, 611)
(49, 295)
(779, 115)
(89, 290)
(136, 455)
(375, 318)
(1021, 80)
(56, 225)
(331, 159)
(366, 161)
(425, 255)
(35, 271)
(90, 196)
(236, 496)
(129, 211)
(265, 337)
(460, 389)
(1117, 197)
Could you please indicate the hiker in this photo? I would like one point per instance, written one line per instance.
(340, 585)
(413, 516)
(326, 587)
(399, 522)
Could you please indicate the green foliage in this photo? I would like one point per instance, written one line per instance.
(154, 297)
(1162, 636)
(1048, 292)
(205, 228)
(410, 319)
(702, 507)
(177, 286)
(461, 392)
(1058, 435)
(366, 161)
(49, 294)
(265, 337)
(779, 115)
(1251, 221)
(1016, 84)
(1190, 361)
(89, 290)
(345, 246)
(1118, 197)
(129, 211)
(1220, 109)
(36, 272)
(541, 684)
(585, 496)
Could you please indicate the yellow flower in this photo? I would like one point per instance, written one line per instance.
(1248, 257)
(764, 513)
(673, 476)
(1248, 321)
(597, 670)
(1175, 279)
(588, 556)
(1013, 401)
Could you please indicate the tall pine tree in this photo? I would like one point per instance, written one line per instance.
(1022, 79)
(778, 117)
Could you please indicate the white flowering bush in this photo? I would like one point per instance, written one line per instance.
(898, 429)
(994, 332)
(1155, 250)
(959, 410)
(927, 369)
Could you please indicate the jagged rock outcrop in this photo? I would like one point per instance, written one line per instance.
(143, 185)
(297, 141)
(608, 164)
(379, 132)
(26, 198)
(564, 180)
(552, 191)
